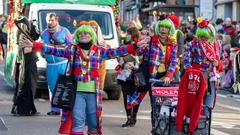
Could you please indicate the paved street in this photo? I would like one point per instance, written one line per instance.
(226, 116)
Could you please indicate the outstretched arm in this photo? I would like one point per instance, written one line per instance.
(123, 50)
(61, 51)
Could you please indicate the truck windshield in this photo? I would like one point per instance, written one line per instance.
(71, 18)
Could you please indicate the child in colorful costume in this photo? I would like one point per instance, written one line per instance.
(125, 78)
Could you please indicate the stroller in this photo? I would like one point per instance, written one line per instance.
(166, 98)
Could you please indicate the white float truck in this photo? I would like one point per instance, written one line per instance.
(70, 13)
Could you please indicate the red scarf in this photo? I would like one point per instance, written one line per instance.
(209, 50)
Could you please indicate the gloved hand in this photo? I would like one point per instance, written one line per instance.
(167, 80)
(143, 43)
(215, 63)
(25, 42)
(27, 50)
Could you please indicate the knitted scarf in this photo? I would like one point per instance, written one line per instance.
(208, 50)
(53, 29)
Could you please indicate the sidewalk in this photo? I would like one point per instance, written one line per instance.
(228, 92)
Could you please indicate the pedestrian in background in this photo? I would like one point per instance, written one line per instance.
(56, 35)
(3, 40)
(228, 27)
(125, 78)
(179, 37)
(23, 99)
(219, 24)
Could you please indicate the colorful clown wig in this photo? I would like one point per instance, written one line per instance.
(82, 23)
(87, 29)
(165, 23)
(93, 23)
(205, 30)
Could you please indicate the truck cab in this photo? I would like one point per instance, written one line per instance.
(69, 16)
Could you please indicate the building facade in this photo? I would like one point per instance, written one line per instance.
(151, 9)
(129, 9)
(227, 8)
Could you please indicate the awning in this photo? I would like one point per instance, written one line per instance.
(172, 8)
(90, 2)
(219, 2)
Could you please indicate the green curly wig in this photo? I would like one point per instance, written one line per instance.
(87, 29)
(165, 23)
(204, 32)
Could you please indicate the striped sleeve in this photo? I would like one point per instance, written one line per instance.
(187, 55)
(118, 52)
(173, 61)
(60, 51)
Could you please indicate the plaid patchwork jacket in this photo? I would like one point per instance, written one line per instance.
(156, 56)
(194, 56)
(95, 56)
(82, 73)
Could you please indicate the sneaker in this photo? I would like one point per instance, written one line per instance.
(53, 113)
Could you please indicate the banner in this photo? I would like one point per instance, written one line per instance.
(90, 2)
(15, 9)
(9, 66)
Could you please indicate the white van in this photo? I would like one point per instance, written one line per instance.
(69, 16)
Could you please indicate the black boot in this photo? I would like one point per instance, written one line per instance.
(128, 122)
(134, 115)
(134, 119)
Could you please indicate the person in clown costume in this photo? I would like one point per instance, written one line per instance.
(102, 43)
(179, 37)
(88, 103)
(58, 35)
(162, 61)
(204, 53)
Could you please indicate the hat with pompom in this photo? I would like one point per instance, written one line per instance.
(175, 20)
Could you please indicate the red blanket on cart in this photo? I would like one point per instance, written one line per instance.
(190, 98)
